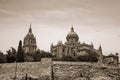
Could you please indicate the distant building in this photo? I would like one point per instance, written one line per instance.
(29, 43)
(74, 48)
(111, 60)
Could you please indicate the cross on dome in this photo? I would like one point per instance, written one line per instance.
(72, 29)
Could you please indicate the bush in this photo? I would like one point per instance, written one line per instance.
(87, 58)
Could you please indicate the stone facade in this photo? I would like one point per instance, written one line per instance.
(74, 48)
(111, 60)
(29, 43)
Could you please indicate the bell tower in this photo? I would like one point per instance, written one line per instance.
(29, 45)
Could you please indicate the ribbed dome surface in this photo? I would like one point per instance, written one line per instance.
(72, 34)
(29, 35)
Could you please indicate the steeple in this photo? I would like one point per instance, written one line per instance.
(100, 48)
(30, 29)
(72, 29)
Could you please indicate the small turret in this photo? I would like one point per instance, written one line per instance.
(100, 48)
(51, 47)
(92, 45)
(59, 43)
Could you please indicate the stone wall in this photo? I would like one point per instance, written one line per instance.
(41, 70)
(48, 70)
(82, 71)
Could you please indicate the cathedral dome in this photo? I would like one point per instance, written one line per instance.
(72, 34)
(59, 43)
(29, 34)
(29, 42)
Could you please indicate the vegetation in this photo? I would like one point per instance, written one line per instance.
(41, 54)
(87, 58)
(20, 53)
(91, 57)
(77, 58)
(11, 56)
(2, 57)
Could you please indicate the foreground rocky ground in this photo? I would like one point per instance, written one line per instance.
(48, 70)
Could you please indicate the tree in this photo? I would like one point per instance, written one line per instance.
(41, 54)
(91, 57)
(68, 58)
(20, 53)
(2, 57)
(11, 55)
(37, 56)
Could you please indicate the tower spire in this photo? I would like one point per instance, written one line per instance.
(72, 29)
(100, 48)
(30, 29)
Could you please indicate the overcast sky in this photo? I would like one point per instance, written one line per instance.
(96, 21)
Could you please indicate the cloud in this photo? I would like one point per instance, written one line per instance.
(94, 20)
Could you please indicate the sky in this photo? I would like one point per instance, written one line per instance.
(95, 21)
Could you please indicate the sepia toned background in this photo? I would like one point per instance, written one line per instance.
(94, 21)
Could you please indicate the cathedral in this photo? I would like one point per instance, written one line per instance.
(74, 48)
(29, 43)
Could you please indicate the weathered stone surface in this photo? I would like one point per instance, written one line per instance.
(48, 70)
(40, 70)
(46, 66)
(8, 70)
(82, 71)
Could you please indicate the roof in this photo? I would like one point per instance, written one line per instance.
(72, 34)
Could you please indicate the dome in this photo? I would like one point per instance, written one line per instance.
(59, 43)
(72, 34)
(29, 34)
(29, 42)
